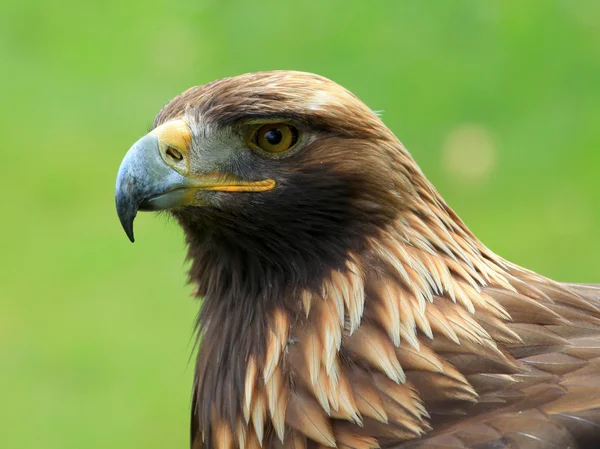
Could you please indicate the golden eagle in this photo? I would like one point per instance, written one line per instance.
(344, 303)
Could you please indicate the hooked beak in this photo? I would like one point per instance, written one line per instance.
(155, 175)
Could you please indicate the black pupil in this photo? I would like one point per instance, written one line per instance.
(273, 136)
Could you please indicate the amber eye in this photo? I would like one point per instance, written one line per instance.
(275, 137)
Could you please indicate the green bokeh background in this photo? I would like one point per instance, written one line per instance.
(95, 333)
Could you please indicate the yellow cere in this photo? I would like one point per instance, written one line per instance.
(175, 133)
(174, 140)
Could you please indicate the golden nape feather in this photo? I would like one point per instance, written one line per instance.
(344, 303)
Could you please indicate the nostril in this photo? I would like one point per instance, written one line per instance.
(174, 154)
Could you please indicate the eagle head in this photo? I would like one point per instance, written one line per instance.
(284, 172)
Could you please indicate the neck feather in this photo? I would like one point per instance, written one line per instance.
(425, 256)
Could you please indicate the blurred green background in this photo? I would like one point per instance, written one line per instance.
(499, 101)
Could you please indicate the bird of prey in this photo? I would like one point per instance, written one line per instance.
(344, 303)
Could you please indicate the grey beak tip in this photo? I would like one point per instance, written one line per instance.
(126, 212)
(130, 235)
